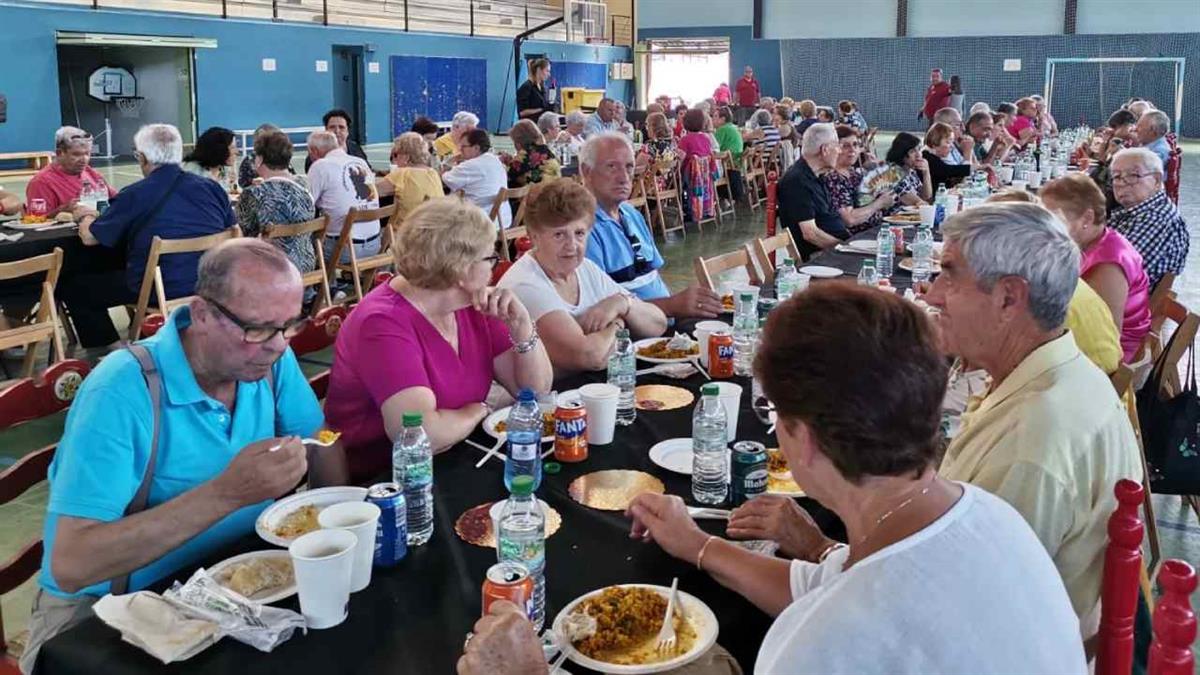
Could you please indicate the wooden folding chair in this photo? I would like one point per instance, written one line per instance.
(314, 230)
(753, 176)
(1122, 381)
(515, 230)
(664, 187)
(707, 268)
(637, 192)
(725, 161)
(1187, 323)
(152, 280)
(358, 268)
(765, 248)
(45, 324)
(1162, 291)
(15, 481)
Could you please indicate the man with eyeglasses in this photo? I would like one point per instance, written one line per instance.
(69, 180)
(1146, 216)
(621, 242)
(215, 437)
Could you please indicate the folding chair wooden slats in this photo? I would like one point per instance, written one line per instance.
(708, 268)
(765, 248)
(46, 323)
(152, 280)
(358, 267)
(315, 229)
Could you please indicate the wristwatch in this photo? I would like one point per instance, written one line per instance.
(526, 346)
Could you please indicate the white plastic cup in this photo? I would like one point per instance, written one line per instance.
(1035, 179)
(1020, 184)
(928, 213)
(360, 519)
(600, 402)
(324, 563)
(1006, 174)
(730, 395)
(703, 330)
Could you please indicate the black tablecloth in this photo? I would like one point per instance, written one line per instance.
(412, 619)
(77, 258)
(851, 263)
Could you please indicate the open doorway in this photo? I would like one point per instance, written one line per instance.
(347, 75)
(111, 91)
(690, 69)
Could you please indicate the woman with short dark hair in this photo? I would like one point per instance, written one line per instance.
(214, 156)
(480, 174)
(843, 181)
(280, 198)
(939, 140)
(904, 172)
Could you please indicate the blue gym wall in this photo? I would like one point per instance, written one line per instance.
(744, 50)
(231, 88)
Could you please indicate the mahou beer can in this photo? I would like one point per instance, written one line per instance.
(749, 471)
(720, 354)
(508, 581)
(391, 532)
(570, 432)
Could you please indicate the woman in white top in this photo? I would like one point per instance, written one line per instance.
(939, 577)
(479, 174)
(576, 307)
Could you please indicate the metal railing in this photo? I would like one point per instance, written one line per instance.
(491, 18)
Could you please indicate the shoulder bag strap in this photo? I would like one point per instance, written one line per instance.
(142, 496)
(150, 215)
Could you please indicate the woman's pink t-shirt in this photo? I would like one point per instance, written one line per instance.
(694, 144)
(386, 346)
(1112, 248)
(1020, 123)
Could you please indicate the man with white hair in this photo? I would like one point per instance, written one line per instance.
(1151, 132)
(547, 123)
(1147, 217)
(805, 207)
(69, 177)
(339, 182)
(963, 146)
(1139, 107)
(462, 124)
(168, 203)
(603, 120)
(1050, 437)
(621, 242)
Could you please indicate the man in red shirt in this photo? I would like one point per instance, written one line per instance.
(748, 93)
(936, 97)
(69, 176)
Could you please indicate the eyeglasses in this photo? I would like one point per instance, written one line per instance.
(1129, 178)
(491, 260)
(253, 333)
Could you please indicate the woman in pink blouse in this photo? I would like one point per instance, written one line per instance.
(695, 141)
(431, 340)
(1109, 263)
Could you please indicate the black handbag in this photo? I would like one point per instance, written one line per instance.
(1171, 430)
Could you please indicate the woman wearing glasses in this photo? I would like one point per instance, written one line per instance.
(842, 184)
(576, 306)
(431, 340)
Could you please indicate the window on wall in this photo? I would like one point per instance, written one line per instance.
(687, 69)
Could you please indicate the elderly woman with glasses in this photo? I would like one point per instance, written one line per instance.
(843, 181)
(431, 340)
(576, 307)
(412, 181)
(1146, 217)
(905, 173)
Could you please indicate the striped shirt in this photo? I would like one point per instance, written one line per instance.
(1158, 232)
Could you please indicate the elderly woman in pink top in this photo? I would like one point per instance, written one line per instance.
(431, 340)
(1024, 126)
(1109, 263)
(695, 141)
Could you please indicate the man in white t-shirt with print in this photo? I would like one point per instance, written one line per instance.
(340, 182)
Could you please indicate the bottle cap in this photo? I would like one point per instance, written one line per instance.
(622, 332)
(710, 390)
(747, 296)
(411, 419)
(552, 467)
(527, 395)
(522, 485)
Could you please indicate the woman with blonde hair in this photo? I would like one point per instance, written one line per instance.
(412, 180)
(660, 140)
(431, 340)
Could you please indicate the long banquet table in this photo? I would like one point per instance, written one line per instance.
(413, 618)
(851, 263)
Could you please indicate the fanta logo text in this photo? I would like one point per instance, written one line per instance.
(570, 427)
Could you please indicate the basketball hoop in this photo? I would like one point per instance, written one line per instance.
(129, 106)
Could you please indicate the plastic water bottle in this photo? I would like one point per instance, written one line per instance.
(745, 331)
(710, 450)
(622, 373)
(868, 275)
(886, 253)
(785, 280)
(524, 429)
(412, 469)
(522, 538)
(940, 200)
(922, 249)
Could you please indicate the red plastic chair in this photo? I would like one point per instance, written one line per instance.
(1119, 588)
(1174, 622)
(772, 202)
(321, 332)
(43, 395)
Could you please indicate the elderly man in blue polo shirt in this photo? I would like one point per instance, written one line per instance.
(126, 511)
(621, 242)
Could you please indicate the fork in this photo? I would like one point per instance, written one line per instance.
(311, 441)
(666, 634)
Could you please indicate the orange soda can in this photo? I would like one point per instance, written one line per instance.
(570, 432)
(720, 354)
(508, 581)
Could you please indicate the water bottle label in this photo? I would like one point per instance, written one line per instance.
(418, 473)
(523, 452)
(530, 553)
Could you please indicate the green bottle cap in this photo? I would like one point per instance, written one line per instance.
(522, 485)
(710, 390)
(552, 467)
(411, 419)
(747, 296)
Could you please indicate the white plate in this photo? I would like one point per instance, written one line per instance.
(863, 245)
(673, 455)
(695, 611)
(501, 415)
(900, 222)
(265, 596)
(646, 342)
(269, 519)
(821, 271)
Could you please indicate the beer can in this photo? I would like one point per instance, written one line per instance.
(766, 306)
(898, 238)
(570, 432)
(720, 354)
(508, 581)
(749, 472)
(391, 532)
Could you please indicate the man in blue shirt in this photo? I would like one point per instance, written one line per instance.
(621, 242)
(231, 393)
(1151, 132)
(603, 120)
(167, 203)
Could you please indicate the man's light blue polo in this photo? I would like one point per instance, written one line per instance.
(609, 247)
(106, 444)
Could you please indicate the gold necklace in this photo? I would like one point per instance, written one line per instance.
(885, 516)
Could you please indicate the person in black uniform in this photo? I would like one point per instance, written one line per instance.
(337, 122)
(532, 96)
